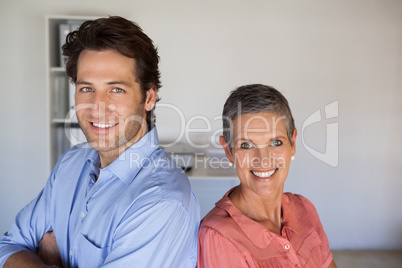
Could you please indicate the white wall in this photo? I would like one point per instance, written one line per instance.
(315, 52)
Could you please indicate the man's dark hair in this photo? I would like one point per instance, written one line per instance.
(121, 35)
(251, 99)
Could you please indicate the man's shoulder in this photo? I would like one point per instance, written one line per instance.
(76, 155)
(164, 169)
(78, 150)
(160, 180)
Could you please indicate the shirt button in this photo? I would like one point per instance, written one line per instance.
(287, 246)
(82, 214)
(297, 266)
(71, 252)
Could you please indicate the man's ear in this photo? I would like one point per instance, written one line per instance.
(226, 148)
(150, 99)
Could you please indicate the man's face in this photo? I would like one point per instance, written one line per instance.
(109, 104)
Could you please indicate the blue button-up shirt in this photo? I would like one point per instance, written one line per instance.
(140, 212)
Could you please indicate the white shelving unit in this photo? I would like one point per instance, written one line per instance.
(64, 129)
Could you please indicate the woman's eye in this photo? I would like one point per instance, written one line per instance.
(117, 90)
(276, 143)
(245, 145)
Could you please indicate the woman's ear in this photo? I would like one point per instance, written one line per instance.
(150, 99)
(226, 148)
(294, 142)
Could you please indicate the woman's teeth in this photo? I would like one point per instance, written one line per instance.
(264, 174)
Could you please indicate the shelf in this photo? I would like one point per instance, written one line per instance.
(64, 129)
(202, 169)
(67, 122)
(57, 70)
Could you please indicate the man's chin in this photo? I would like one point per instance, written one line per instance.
(101, 147)
(107, 148)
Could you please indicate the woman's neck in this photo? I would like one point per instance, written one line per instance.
(266, 210)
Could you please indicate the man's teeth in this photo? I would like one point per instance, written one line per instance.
(103, 125)
(264, 174)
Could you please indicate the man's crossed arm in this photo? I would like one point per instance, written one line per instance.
(48, 255)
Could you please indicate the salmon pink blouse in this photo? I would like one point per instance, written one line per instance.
(228, 238)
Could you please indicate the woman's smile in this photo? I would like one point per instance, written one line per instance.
(264, 174)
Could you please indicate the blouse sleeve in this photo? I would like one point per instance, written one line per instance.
(325, 251)
(214, 250)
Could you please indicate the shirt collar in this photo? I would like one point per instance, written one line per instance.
(290, 215)
(258, 234)
(94, 161)
(130, 162)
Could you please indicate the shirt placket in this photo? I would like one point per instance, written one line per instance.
(288, 248)
(90, 190)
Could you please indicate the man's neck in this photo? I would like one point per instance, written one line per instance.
(108, 157)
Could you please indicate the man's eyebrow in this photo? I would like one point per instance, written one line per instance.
(118, 82)
(79, 82)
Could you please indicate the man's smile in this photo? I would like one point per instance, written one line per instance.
(99, 125)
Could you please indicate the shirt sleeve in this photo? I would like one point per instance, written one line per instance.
(157, 235)
(214, 250)
(31, 223)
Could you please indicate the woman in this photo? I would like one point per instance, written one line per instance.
(255, 224)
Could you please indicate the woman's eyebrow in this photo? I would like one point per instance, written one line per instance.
(271, 139)
(242, 139)
(278, 137)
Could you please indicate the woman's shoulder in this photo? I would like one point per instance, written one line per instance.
(218, 217)
(296, 199)
(224, 219)
(296, 207)
(297, 202)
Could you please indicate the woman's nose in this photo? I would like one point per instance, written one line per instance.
(264, 157)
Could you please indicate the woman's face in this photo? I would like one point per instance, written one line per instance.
(261, 152)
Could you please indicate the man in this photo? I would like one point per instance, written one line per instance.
(118, 200)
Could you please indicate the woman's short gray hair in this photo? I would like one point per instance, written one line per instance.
(251, 99)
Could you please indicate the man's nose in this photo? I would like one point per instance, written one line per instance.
(101, 105)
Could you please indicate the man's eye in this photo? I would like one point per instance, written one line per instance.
(86, 89)
(276, 143)
(245, 145)
(117, 90)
